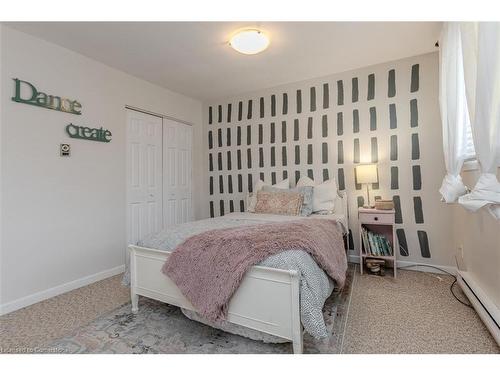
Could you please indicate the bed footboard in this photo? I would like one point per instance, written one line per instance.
(267, 299)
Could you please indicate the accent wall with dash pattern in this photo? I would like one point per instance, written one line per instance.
(386, 114)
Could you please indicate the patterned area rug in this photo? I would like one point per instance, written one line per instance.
(162, 328)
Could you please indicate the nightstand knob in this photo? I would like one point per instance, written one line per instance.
(375, 218)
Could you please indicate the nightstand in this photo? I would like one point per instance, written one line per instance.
(380, 223)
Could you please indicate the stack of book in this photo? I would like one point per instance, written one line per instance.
(375, 244)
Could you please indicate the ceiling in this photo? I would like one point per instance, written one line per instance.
(193, 58)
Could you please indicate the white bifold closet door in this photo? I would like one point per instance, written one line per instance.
(178, 170)
(144, 175)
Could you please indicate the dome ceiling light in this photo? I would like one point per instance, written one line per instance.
(249, 41)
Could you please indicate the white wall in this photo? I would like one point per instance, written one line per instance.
(63, 219)
(479, 235)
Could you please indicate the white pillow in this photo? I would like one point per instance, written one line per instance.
(285, 184)
(259, 185)
(252, 198)
(305, 181)
(324, 194)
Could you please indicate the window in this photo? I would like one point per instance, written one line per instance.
(470, 152)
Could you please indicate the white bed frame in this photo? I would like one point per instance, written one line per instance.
(267, 299)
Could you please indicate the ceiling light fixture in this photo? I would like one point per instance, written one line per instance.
(249, 41)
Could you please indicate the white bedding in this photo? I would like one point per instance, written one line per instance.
(315, 285)
(341, 219)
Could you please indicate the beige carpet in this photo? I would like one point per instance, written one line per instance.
(413, 314)
(31, 328)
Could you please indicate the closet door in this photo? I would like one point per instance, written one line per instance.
(178, 171)
(144, 175)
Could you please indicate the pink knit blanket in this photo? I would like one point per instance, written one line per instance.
(208, 267)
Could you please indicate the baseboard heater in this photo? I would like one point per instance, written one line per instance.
(485, 308)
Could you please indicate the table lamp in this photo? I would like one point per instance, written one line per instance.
(367, 174)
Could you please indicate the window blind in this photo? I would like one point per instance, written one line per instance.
(469, 143)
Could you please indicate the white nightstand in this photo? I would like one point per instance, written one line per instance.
(380, 222)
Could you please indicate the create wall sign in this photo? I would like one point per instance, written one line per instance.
(27, 93)
(89, 134)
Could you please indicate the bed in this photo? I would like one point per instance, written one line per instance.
(268, 300)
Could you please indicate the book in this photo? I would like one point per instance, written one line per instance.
(383, 243)
(373, 247)
(380, 245)
(389, 247)
(371, 236)
(378, 242)
(364, 238)
(369, 247)
(375, 244)
(366, 244)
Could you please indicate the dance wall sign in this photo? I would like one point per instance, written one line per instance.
(27, 93)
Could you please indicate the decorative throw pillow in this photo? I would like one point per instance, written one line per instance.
(252, 198)
(278, 203)
(307, 195)
(324, 194)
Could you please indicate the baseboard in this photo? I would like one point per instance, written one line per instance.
(415, 266)
(485, 308)
(60, 289)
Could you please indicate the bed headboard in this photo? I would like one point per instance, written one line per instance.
(343, 197)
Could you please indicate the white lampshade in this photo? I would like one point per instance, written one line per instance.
(366, 173)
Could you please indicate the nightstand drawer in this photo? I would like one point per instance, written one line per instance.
(368, 218)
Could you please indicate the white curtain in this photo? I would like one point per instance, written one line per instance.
(481, 53)
(454, 113)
